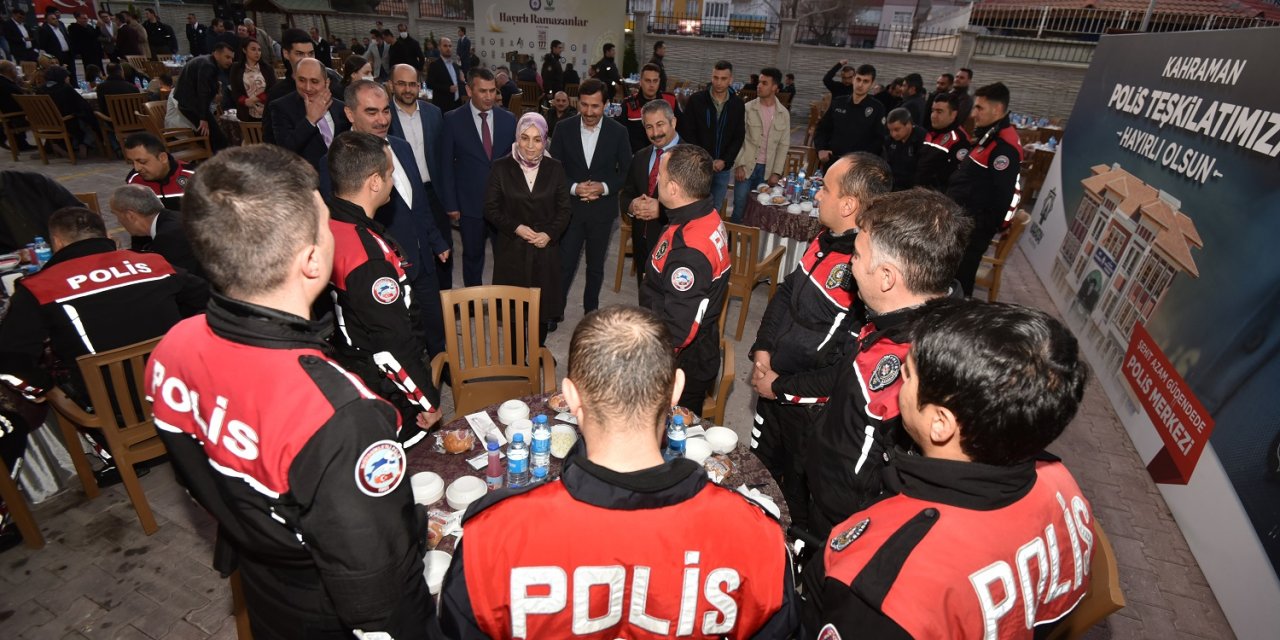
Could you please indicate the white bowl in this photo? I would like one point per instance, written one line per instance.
(512, 410)
(722, 439)
(764, 198)
(435, 565)
(565, 437)
(464, 491)
(428, 487)
(523, 425)
(793, 208)
(697, 449)
(806, 206)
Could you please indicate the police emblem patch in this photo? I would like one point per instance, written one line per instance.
(182, 181)
(839, 276)
(885, 373)
(661, 251)
(847, 536)
(682, 279)
(829, 633)
(962, 154)
(1000, 163)
(869, 111)
(380, 468)
(386, 290)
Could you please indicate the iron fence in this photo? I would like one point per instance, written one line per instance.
(735, 26)
(1089, 23)
(1039, 49)
(874, 36)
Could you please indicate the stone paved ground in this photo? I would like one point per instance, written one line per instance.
(100, 576)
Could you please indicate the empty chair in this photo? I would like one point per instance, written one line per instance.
(47, 124)
(713, 408)
(992, 267)
(748, 269)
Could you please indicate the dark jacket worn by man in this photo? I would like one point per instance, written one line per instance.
(169, 240)
(406, 50)
(719, 132)
(196, 89)
(22, 47)
(113, 87)
(198, 39)
(904, 158)
(632, 117)
(439, 81)
(27, 199)
(85, 44)
(847, 127)
(942, 152)
(169, 188)
(988, 186)
(607, 72)
(837, 88)
(288, 126)
(160, 37)
(552, 74)
(52, 45)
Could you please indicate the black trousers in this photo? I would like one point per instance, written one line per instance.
(643, 234)
(780, 436)
(979, 240)
(444, 270)
(695, 394)
(426, 289)
(475, 233)
(594, 229)
(217, 141)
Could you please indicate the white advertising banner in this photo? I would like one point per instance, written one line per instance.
(529, 26)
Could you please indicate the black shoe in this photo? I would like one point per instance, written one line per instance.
(110, 475)
(10, 537)
(552, 326)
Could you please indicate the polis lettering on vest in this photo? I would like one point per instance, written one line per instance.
(552, 583)
(105, 275)
(1035, 585)
(239, 438)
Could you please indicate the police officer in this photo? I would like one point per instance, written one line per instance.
(687, 275)
(153, 167)
(379, 335)
(632, 115)
(902, 148)
(852, 123)
(804, 334)
(945, 145)
(637, 547)
(987, 184)
(985, 388)
(295, 458)
(88, 298)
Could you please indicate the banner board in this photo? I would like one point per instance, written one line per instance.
(529, 26)
(1157, 234)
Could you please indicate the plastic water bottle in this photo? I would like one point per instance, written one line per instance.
(540, 456)
(517, 462)
(493, 472)
(675, 439)
(43, 252)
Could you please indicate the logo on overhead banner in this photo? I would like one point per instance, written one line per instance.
(527, 27)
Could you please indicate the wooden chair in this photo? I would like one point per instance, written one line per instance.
(992, 267)
(626, 249)
(18, 508)
(748, 269)
(1103, 597)
(713, 407)
(14, 133)
(785, 99)
(239, 610)
(90, 201)
(123, 415)
(815, 114)
(138, 62)
(571, 89)
(29, 69)
(181, 143)
(155, 69)
(47, 124)
(122, 115)
(801, 158)
(531, 92)
(250, 133)
(491, 346)
(516, 107)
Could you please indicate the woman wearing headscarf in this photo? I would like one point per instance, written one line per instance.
(528, 201)
(251, 79)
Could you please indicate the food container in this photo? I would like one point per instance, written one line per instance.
(719, 468)
(524, 425)
(793, 208)
(557, 403)
(697, 450)
(428, 487)
(563, 437)
(512, 410)
(457, 440)
(763, 198)
(763, 187)
(689, 418)
(464, 491)
(722, 439)
(806, 206)
(435, 566)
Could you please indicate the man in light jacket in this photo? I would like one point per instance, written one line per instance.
(763, 157)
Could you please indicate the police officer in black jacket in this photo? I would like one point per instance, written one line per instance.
(852, 123)
(902, 148)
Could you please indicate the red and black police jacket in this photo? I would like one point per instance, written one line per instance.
(965, 550)
(942, 152)
(987, 183)
(632, 117)
(298, 462)
(686, 280)
(169, 188)
(806, 326)
(658, 553)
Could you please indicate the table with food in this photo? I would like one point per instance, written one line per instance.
(786, 218)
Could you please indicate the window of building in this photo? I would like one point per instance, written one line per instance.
(1115, 240)
(1098, 226)
(1146, 233)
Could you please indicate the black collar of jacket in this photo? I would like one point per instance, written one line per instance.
(259, 326)
(691, 211)
(989, 132)
(955, 124)
(82, 248)
(894, 324)
(662, 486)
(829, 242)
(968, 485)
(352, 213)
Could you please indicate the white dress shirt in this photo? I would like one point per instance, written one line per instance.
(590, 137)
(401, 180)
(411, 124)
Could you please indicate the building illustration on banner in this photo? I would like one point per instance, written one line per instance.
(1122, 251)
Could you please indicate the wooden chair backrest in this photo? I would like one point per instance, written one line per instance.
(785, 99)
(123, 110)
(571, 89)
(121, 404)
(29, 69)
(1010, 239)
(800, 158)
(42, 114)
(517, 105)
(1104, 596)
(497, 333)
(137, 62)
(152, 117)
(529, 89)
(251, 132)
(155, 68)
(90, 201)
(714, 408)
(744, 250)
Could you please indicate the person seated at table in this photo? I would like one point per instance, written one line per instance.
(507, 86)
(902, 147)
(159, 87)
(114, 85)
(251, 80)
(979, 506)
(637, 546)
(93, 75)
(154, 168)
(561, 109)
(83, 126)
(10, 87)
(804, 335)
(571, 75)
(141, 214)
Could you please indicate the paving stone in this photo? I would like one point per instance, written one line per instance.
(1140, 585)
(129, 611)
(1195, 617)
(212, 616)
(185, 631)
(76, 612)
(1129, 552)
(129, 632)
(89, 581)
(20, 617)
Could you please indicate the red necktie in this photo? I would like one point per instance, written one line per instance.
(485, 136)
(653, 173)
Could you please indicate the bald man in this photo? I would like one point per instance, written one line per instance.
(307, 120)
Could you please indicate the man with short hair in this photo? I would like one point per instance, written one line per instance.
(197, 36)
(114, 84)
(553, 69)
(964, 77)
(845, 86)
(639, 197)
(378, 54)
(9, 87)
(633, 105)
(607, 70)
(763, 157)
(55, 41)
(629, 513)
(307, 480)
(561, 109)
(788, 85)
(595, 162)
(21, 44)
(296, 46)
(945, 145)
(464, 51)
(84, 41)
(379, 333)
(160, 36)
(269, 46)
(852, 123)
(106, 28)
(715, 119)
(987, 183)
(902, 148)
(306, 120)
(446, 79)
(220, 33)
(978, 479)
(141, 214)
(940, 86)
(475, 135)
(658, 59)
(196, 89)
(421, 124)
(154, 168)
(687, 275)
(323, 52)
(913, 99)
(804, 336)
(406, 50)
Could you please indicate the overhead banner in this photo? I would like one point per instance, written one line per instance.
(1157, 234)
(529, 27)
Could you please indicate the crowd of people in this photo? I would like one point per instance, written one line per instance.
(296, 286)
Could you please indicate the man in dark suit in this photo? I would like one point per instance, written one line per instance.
(55, 41)
(421, 124)
(446, 79)
(475, 135)
(21, 44)
(306, 121)
(552, 69)
(141, 214)
(196, 89)
(464, 50)
(639, 196)
(406, 50)
(607, 70)
(595, 153)
(84, 41)
(106, 28)
(323, 53)
(197, 38)
(295, 46)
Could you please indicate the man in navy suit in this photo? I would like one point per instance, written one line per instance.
(596, 153)
(407, 216)
(421, 124)
(475, 135)
(55, 41)
(307, 120)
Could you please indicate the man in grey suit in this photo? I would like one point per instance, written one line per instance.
(421, 124)
(596, 153)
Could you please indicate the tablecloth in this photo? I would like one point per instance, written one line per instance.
(793, 231)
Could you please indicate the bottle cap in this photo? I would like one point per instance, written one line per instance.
(519, 437)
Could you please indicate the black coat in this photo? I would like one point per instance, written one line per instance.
(286, 125)
(508, 203)
(323, 53)
(438, 81)
(720, 135)
(49, 43)
(609, 164)
(171, 242)
(406, 51)
(27, 199)
(113, 87)
(239, 94)
(160, 37)
(9, 89)
(84, 43)
(552, 74)
(607, 72)
(198, 41)
(197, 87)
(21, 48)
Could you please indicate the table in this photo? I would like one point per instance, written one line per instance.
(450, 467)
(791, 230)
